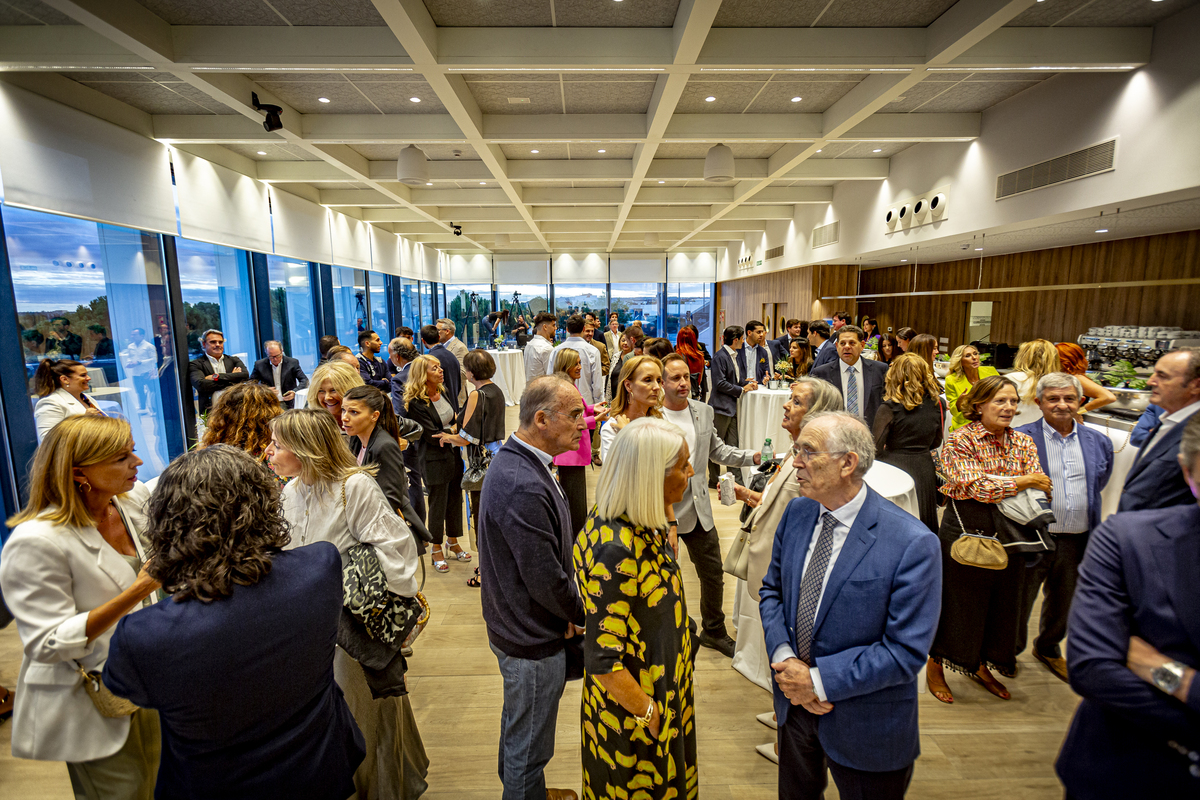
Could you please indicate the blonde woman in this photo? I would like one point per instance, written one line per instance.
(72, 568)
(908, 427)
(637, 622)
(965, 371)
(332, 499)
(1035, 360)
(329, 385)
(441, 464)
(639, 394)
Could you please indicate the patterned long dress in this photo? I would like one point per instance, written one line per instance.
(636, 620)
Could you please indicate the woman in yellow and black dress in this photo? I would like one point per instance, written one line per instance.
(638, 716)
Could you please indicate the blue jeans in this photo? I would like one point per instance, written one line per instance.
(532, 690)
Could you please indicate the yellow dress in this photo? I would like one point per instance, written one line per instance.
(958, 385)
(636, 620)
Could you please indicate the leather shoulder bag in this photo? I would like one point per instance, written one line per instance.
(975, 548)
(479, 458)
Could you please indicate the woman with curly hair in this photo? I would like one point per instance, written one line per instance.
(329, 384)
(241, 417)
(242, 612)
(908, 427)
(1074, 362)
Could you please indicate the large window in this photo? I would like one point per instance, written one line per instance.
(579, 298)
(690, 304)
(410, 305)
(292, 319)
(95, 293)
(468, 305)
(637, 302)
(427, 312)
(380, 323)
(523, 300)
(349, 305)
(215, 281)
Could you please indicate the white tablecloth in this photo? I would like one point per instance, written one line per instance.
(510, 374)
(760, 414)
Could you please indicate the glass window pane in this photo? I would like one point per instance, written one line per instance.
(410, 304)
(427, 315)
(636, 302)
(377, 282)
(468, 304)
(570, 298)
(292, 318)
(96, 293)
(349, 305)
(524, 301)
(690, 304)
(215, 282)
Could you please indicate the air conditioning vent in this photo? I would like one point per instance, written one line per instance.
(826, 234)
(1073, 166)
(774, 252)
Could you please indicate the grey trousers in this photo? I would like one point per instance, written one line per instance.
(128, 774)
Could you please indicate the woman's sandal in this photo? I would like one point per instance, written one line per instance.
(985, 677)
(7, 700)
(439, 562)
(474, 581)
(460, 554)
(941, 692)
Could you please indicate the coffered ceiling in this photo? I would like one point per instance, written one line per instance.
(562, 124)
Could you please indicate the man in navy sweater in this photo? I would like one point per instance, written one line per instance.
(531, 604)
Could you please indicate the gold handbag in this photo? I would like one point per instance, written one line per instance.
(737, 563)
(107, 703)
(977, 549)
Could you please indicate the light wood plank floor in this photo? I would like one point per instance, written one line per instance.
(980, 747)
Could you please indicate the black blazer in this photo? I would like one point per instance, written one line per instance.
(199, 369)
(451, 373)
(1155, 479)
(781, 347)
(874, 373)
(291, 377)
(439, 463)
(384, 452)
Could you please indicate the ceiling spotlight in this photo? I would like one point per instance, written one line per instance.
(429, 183)
(262, 152)
(709, 99)
(414, 99)
(1102, 230)
(322, 99)
(718, 164)
(876, 150)
(818, 151)
(662, 181)
(977, 249)
(534, 151)
(456, 229)
(797, 99)
(904, 259)
(412, 168)
(483, 183)
(271, 121)
(600, 151)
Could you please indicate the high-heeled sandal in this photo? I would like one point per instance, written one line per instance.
(439, 560)
(459, 554)
(474, 581)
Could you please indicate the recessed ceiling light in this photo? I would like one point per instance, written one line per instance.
(797, 99)
(1105, 230)
(904, 259)
(262, 152)
(414, 99)
(533, 151)
(483, 183)
(709, 99)
(978, 248)
(818, 151)
(877, 150)
(429, 184)
(322, 99)
(662, 181)
(599, 151)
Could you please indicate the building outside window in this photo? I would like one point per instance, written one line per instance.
(427, 311)
(349, 305)
(579, 298)
(292, 320)
(96, 293)
(215, 283)
(637, 302)
(690, 304)
(469, 304)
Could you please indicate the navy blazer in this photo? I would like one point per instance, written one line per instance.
(244, 685)
(451, 373)
(726, 388)
(760, 364)
(828, 353)
(1138, 577)
(399, 381)
(873, 629)
(874, 375)
(1097, 462)
(781, 347)
(1155, 480)
(291, 377)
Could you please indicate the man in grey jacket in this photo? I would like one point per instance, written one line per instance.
(693, 514)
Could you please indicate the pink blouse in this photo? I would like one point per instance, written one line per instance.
(583, 456)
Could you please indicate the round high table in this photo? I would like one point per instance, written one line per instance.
(510, 374)
(760, 415)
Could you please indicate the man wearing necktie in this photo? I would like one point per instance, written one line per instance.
(849, 608)
(1155, 480)
(860, 381)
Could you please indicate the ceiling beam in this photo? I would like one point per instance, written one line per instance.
(823, 169)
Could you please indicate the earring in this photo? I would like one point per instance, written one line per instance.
(84, 487)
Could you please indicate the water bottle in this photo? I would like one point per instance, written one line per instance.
(768, 452)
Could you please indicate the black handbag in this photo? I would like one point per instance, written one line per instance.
(479, 458)
(758, 483)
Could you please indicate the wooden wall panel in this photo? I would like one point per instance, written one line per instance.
(1055, 314)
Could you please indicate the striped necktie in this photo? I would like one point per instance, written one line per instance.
(852, 391)
(810, 588)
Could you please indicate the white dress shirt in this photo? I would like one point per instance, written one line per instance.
(1064, 462)
(538, 353)
(685, 510)
(858, 379)
(277, 377)
(591, 376)
(845, 517)
(1169, 421)
(140, 358)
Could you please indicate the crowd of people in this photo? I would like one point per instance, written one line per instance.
(241, 627)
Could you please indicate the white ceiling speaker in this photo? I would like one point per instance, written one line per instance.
(891, 217)
(501, 240)
(718, 164)
(651, 240)
(412, 168)
(906, 212)
(937, 204)
(920, 210)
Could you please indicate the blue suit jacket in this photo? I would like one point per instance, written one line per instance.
(1145, 424)
(1097, 462)
(757, 362)
(872, 632)
(451, 373)
(781, 347)
(1155, 480)
(828, 353)
(1138, 577)
(726, 388)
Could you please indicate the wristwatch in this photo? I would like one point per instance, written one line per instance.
(1168, 676)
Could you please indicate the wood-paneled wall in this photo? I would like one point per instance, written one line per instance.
(1033, 310)
(800, 288)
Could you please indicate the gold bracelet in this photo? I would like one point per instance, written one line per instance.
(644, 719)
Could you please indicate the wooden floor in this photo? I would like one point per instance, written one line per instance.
(981, 747)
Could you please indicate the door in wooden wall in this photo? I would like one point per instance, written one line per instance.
(768, 317)
(979, 321)
(781, 317)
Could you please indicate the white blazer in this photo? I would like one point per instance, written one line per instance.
(52, 576)
(55, 407)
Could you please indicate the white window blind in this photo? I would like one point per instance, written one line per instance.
(467, 269)
(521, 269)
(385, 251)
(684, 267)
(301, 228)
(590, 268)
(351, 241)
(646, 269)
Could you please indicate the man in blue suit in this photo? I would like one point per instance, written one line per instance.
(849, 608)
(755, 352)
(796, 330)
(451, 369)
(1133, 646)
(824, 350)
(730, 377)
(1155, 480)
(1079, 462)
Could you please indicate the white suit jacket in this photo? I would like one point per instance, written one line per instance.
(52, 576)
(54, 408)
